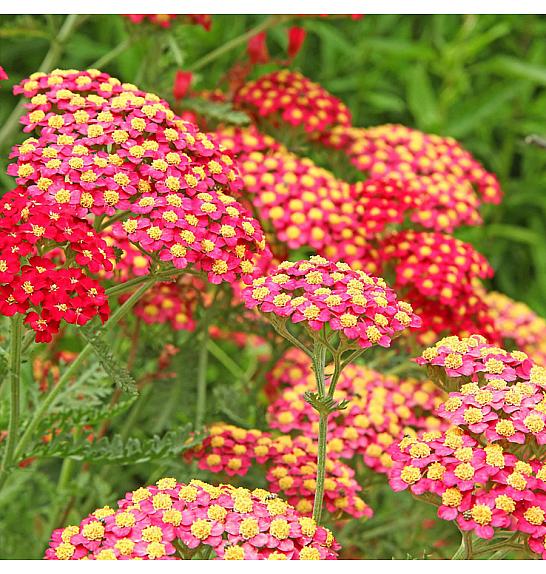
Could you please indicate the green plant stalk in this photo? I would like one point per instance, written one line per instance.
(132, 283)
(53, 55)
(464, 552)
(235, 42)
(202, 364)
(319, 360)
(321, 466)
(218, 353)
(112, 54)
(15, 391)
(50, 399)
(58, 509)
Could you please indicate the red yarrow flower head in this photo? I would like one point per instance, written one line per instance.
(288, 97)
(451, 183)
(47, 258)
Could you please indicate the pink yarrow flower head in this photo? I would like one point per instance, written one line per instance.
(453, 361)
(109, 150)
(515, 321)
(305, 205)
(174, 521)
(484, 489)
(334, 298)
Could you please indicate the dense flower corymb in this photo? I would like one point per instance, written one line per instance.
(517, 323)
(445, 175)
(108, 149)
(47, 258)
(173, 521)
(289, 97)
(165, 20)
(290, 465)
(319, 293)
(440, 275)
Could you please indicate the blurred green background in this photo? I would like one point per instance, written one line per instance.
(479, 78)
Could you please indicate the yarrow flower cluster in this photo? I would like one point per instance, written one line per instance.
(300, 201)
(174, 521)
(440, 276)
(169, 303)
(46, 257)
(319, 293)
(382, 409)
(373, 209)
(519, 325)
(454, 361)
(482, 488)
(488, 469)
(290, 467)
(165, 20)
(293, 472)
(450, 181)
(106, 148)
(289, 97)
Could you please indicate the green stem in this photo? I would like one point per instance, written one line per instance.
(321, 466)
(112, 54)
(319, 360)
(50, 399)
(499, 554)
(59, 509)
(53, 55)
(218, 353)
(135, 411)
(202, 364)
(352, 357)
(176, 52)
(335, 375)
(15, 388)
(282, 330)
(464, 552)
(242, 39)
(128, 285)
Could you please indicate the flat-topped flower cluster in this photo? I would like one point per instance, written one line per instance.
(488, 470)
(319, 293)
(104, 147)
(289, 465)
(174, 521)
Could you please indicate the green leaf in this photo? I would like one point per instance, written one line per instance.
(519, 69)
(464, 123)
(422, 99)
(220, 112)
(116, 450)
(108, 361)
